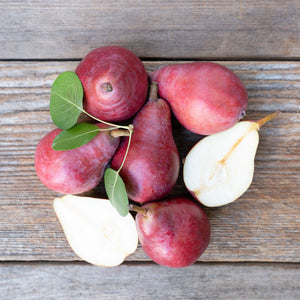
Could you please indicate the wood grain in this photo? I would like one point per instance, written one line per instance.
(149, 281)
(192, 29)
(263, 225)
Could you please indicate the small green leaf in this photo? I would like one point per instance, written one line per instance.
(66, 100)
(116, 191)
(80, 134)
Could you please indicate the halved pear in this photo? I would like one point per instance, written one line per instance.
(95, 230)
(220, 167)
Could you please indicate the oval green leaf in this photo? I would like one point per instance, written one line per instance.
(116, 191)
(77, 136)
(66, 100)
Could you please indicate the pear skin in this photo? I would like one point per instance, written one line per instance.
(115, 83)
(77, 170)
(152, 165)
(205, 97)
(173, 232)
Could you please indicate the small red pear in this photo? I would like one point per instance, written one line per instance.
(173, 232)
(152, 165)
(205, 97)
(77, 170)
(115, 83)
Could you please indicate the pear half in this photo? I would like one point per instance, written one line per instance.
(95, 230)
(220, 167)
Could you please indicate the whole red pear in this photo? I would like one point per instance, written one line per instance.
(173, 233)
(152, 165)
(77, 170)
(205, 97)
(115, 83)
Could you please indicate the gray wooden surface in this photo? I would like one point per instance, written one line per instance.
(148, 281)
(169, 29)
(255, 246)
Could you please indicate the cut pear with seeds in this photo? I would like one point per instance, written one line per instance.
(220, 167)
(95, 230)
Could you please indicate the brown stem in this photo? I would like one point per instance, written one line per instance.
(256, 125)
(267, 118)
(119, 132)
(153, 91)
(138, 209)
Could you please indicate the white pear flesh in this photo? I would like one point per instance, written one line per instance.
(95, 230)
(220, 167)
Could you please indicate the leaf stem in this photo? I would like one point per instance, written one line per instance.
(127, 149)
(89, 115)
(104, 122)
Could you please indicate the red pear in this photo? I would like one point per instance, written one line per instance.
(174, 232)
(205, 97)
(115, 83)
(152, 165)
(77, 170)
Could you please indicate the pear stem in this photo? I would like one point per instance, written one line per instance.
(138, 209)
(153, 91)
(119, 132)
(267, 118)
(256, 126)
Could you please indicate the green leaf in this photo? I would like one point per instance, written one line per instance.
(66, 100)
(116, 191)
(77, 136)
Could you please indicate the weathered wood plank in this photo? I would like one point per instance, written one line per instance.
(149, 281)
(262, 226)
(42, 29)
(271, 85)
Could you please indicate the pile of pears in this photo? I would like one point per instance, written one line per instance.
(207, 99)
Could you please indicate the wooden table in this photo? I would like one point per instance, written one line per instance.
(254, 251)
